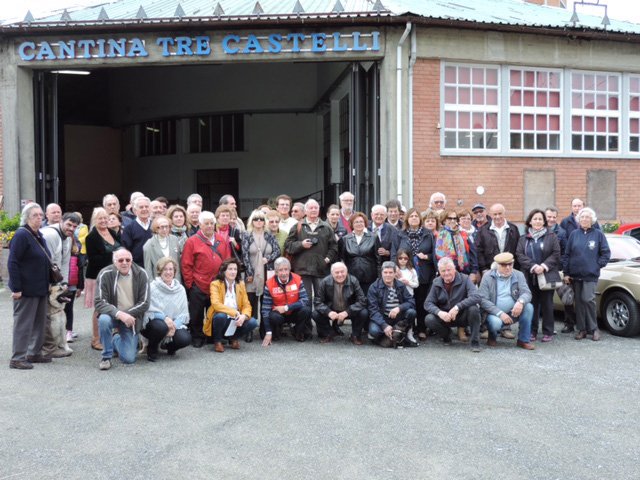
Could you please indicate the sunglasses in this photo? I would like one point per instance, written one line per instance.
(455, 219)
(258, 219)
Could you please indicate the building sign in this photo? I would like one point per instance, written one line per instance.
(200, 46)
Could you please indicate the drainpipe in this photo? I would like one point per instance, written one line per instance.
(399, 111)
(412, 61)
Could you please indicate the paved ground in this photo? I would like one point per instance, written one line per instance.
(569, 410)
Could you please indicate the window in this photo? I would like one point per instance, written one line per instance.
(634, 114)
(158, 138)
(534, 109)
(471, 107)
(216, 133)
(595, 112)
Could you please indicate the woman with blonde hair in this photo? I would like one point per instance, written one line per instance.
(161, 244)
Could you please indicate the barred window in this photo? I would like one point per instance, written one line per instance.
(216, 133)
(634, 114)
(158, 138)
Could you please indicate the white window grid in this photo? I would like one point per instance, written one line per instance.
(471, 96)
(633, 102)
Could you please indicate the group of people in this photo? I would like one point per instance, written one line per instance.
(174, 276)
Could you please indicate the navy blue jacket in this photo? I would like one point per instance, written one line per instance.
(377, 299)
(28, 265)
(561, 233)
(133, 239)
(586, 253)
(569, 224)
(425, 268)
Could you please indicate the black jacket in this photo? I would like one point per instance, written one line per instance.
(362, 260)
(550, 254)
(464, 294)
(353, 295)
(487, 245)
(377, 300)
(425, 268)
(310, 261)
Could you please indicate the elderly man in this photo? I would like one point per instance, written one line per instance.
(480, 215)
(128, 216)
(230, 201)
(193, 215)
(121, 300)
(453, 302)
(438, 202)
(347, 200)
(59, 238)
(571, 222)
(391, 307)
(157, 209)
(283, 206)
(285, 300)
(383, 230)
(313, 247)
(136, 234)
(194, 198)
(53, 215)
(297, 211)
(394, 209)
(340, 297)
(505, 298)
(111, 203)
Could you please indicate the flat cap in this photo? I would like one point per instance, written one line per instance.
(504, 257)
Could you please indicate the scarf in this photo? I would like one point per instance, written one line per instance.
(415, 237)
(178, 231)
(450, 243)
(534, 244)
(537, 234)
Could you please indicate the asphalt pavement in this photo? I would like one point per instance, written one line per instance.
(568, 410)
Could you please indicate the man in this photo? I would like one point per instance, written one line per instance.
(297, 211)
(136, 234)
(551, 214)
(453, 302)
(283, 206)
(340, 297)
(194, 198)
(570, 222)
(193, 215)
(111, 203)
(346, 209)
(313, 248)
(285, 300)
(127, 215)
(505, 298)
(59, 238)
(53, 215)
(231, 202)
(122, 298)
(383, 230)
(391, 307)
(438, 202)
(393, 213)
(480, 215)
(157, 209)
(164, 202)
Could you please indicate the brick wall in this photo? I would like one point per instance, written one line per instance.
(502, 177)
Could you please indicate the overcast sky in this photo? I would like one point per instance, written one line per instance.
(17, 9)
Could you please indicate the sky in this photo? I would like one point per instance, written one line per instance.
(17, 9)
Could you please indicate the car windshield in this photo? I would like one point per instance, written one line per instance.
(624, 248)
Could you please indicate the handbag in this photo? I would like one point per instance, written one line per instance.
(565, 293)
(55, 275)
(550, 280)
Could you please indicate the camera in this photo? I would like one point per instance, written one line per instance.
(313, 240)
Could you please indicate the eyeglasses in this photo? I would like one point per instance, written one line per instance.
(124, 260)
(258, 219)
(438, 201)
(455, 219)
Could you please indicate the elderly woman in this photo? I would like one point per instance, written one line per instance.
(161, 244)
(115, 222)
(230, 311)
(166, 321)
(177, 215)
(259, 250)
(418, 240)
(29, 262)
(273, 225)
(538, 252)
(101, 243)
(230, 237)
(200, 263)
(431, 221)
(359, 251)
(587, 251)
(455, 244)
(466, 224)
(333, 219)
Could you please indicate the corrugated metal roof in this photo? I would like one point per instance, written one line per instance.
(489, 12)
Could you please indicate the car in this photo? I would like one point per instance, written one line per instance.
(618, 290)
(631, 229)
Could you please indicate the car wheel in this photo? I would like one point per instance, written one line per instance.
(620, 314)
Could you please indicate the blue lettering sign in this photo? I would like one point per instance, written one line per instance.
(136, 48)
(183, 46)
(165, 42)
(253, 45)
(336, 43)
(275, 43)
(22, 51)
(356, 43)
(202, 46)
(295, 37)
(317, 42)
(225, 44)
(45, 51)
(116, 47)
(100, 43)
(376, 41)
(86, 45)
(67, 50)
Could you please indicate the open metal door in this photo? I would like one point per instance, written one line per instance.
(45, 95)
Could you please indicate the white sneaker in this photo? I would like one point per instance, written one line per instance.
(75, 335)
(105, 364)
(69, 336)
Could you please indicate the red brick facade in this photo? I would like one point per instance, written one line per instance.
(502, 177)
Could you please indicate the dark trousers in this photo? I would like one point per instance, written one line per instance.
(221, 322)
(29, 321)
(569, 315)
(542, 301)
(156, 330)
(420, 294)
(469, 317)
(198, 303)
(408, 317)
(323, 323)
(299, 318)
(68, 311)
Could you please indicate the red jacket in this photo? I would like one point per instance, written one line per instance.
(199, 264)
(294, 295)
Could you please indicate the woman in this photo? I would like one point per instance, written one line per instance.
(165, 322)
(177, 215)
(466, 225)
(538, 252)
(229, 305)
(418, 240)
(453, 243)
(259, 250)
(161, 244)
(230, 238)
(333, 219)
(359, 251)
(115, 223)
(431, 221)
(29, 264)
(273, 225)
(101, 243)
(587, 251)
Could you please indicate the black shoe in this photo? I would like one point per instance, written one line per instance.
(197, 342)
(20, 365)
(407, 342)
(249, 337)
(152, 357)
(337, 330)
(447, 341)
(567, 329)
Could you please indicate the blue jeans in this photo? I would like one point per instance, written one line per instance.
(125, 342)
(221, 322)
(409, 316)
(494, 324)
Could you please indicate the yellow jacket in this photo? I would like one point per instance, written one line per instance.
(217, 291)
